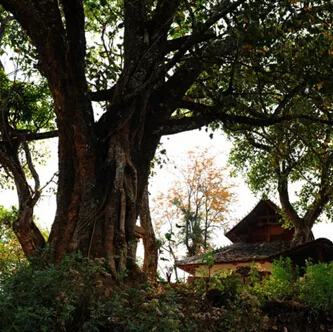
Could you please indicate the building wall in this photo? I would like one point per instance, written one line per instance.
(202, 271)
(266, 233)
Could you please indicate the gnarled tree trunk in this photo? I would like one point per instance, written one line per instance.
(99, 206)
(103, 166)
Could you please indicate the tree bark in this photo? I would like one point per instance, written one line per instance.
(100, 220)
(302, 225)
(150, 242)
(302, 234)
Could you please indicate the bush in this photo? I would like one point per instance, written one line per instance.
(142, 309)
(316, 288)
(222, 304)
(281, 283)
(242, 314)
(53, 298)
(80, 295)
(228, 284)
(255, 286)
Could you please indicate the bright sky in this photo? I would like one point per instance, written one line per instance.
(177, 146)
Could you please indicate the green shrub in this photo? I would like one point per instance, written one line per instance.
(241, 314)
(228, 306)
(142, 309)
(316, 288)
(281, 282)
(11, 254)
(226, 284)
(255, 286)
(52, 298)
(229, 284)
(79, 295)
(247, 310)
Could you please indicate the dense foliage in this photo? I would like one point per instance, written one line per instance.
(80, 298)
(78, 295)
(297, 152)
(316, 288)
(155, 67)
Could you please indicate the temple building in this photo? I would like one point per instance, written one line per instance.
(259, 238)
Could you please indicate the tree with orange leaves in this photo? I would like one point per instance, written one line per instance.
(196, 204)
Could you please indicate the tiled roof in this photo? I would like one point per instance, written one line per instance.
(240, 252)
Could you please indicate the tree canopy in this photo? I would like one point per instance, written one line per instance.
(288, 156)
(122, 74)
(296, 151)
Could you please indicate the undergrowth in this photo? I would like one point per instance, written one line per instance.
(79, 295)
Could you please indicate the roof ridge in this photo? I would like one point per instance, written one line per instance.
(253, 207)
(241, 221)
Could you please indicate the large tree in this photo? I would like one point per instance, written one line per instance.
(157, 67)
(295, 156)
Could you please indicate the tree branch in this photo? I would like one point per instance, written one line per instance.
(284, 198)
(325, 192)
(32, 136)
(204, 115)
(288, 98)
(175, 126)
(32, 169)
(56, 174)
(185, 75)
(37, 22)
(220, 11)
(256, 144)
(24, 11)
(75, 30)
(176, 44)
